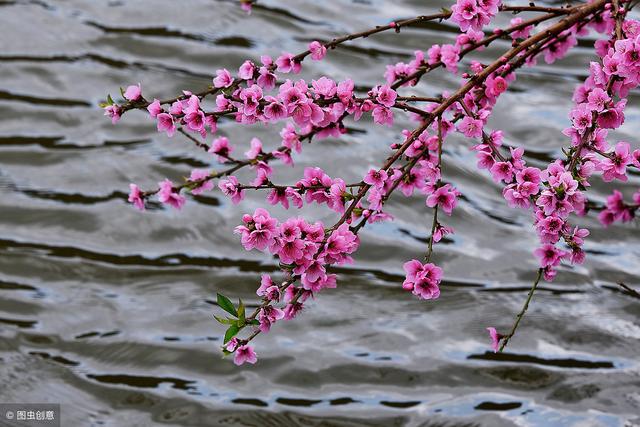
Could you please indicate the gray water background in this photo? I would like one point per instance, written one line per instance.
(109, 311)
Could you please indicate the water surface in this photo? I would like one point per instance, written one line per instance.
(109, 311)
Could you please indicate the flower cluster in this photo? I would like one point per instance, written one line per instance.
(259, 92)
(422, 280)
(305, 249)
(617, 210)
(474, 14)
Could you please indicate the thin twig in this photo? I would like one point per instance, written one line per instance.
(629, 290)
(506, 338)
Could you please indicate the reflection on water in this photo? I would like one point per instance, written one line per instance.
(109, 311)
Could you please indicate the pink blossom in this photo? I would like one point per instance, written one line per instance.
(223, 78)
(450, 55)
(283, 155)
(474, 14)
(201, 177)
(495, 339)
(386, 96)
(441, 231)
(549, 255)
(558, 48)
(292, 249)
(578, 235)
(529, 174)
(318, 51)
(278, 195)
(251, 97)
(195, 120)
(165, 123)
(577, 256)
(229, 187)
(375, 199)
(135, 197)
(469, 38)
(244, 353)
(445, 198)
(522, 33)
(382, 116)
(222, 102)
(275, 111)
(597, 99)
(259, 230)
(516, 195)
(470, 127)
(345, 90)
(495, 86)
(315, 177)
(550, 203)
(168, 196)
(618, 209)
(635, 158)
(465, 13)
(266, 282)
(612, 118)
(246, 5)
(340, 244)
(221, 148)
(266, 80)
(485, 159)
(210, 121)
(292, 310)
(232, 344)
(295, 197)
(177, 108)
(607, 217)
(114, 112)
(246, 70)
(337, 195)
(549, 228)
(268, 316)
(154, 108)
(502, 171)
(563, 183)
(256, 149)
(287, 64)
(133, 92)
(549, 273)
(616, 166)
(376, 178)
(581, 117)
(324, 87)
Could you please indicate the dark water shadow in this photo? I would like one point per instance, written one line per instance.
(560, 363)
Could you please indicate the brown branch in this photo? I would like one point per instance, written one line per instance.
(506, 338)
(629, 291)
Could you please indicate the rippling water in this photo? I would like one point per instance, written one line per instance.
(108, 311)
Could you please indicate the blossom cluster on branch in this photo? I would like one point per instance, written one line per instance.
(309, 111)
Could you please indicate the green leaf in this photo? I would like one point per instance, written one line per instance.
(122, 92)
(231, 332)
(110, 100)
(226, 304)
(241, 313)
(254, 322)
(226, 321)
